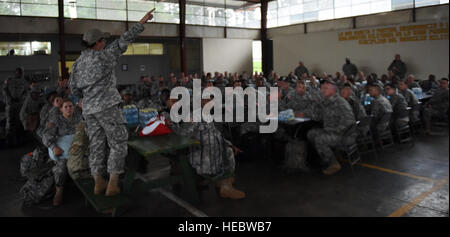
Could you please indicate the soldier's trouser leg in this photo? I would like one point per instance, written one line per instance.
(8, 120)
(428, 113)
(60, 172)
(107, 126)
(323, 142)
(97, 146)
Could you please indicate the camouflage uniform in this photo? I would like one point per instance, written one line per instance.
(40, 183)
(339, 128)
(43, 118)
(436, 106)
(78, 160)
(30, 107)
(350, 69)
(93, 78)
(58, 127)
(400, 116)
(285, 98)
(300, 70)
(410, 97)
(400, 66)
(378, 108)
(14, 91)
(214, 156)
(357, 108)
(149, 103)
(359, 112)
(301, 103)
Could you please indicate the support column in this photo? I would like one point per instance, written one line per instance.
(61, 33)
(266, 45)
(182, 5)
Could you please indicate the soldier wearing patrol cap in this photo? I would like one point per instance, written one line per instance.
(93, 78)
(338, 126)
(285, 92)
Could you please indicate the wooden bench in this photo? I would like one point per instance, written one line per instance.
(171, 146)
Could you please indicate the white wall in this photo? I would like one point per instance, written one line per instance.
(232, 55)
(321, 51)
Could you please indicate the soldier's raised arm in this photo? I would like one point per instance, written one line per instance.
(119, 46)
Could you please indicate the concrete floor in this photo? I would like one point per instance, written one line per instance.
(406, 181)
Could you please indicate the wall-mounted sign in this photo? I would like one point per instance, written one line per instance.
(394, 34)
(124, 67)
(142, 68)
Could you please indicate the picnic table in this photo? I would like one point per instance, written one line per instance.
(146, 147)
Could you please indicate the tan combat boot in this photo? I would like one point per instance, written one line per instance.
(332, 169)
(228, 191)
(100, 185)
(113, 187)
(57, 199)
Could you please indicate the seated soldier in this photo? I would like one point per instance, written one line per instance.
(60, 128)
(214, 156)
(158, 104)
(29, 113)
(437, 106)
(430, 84)
(400, 115)
(284, 93)
(56, 108)
(145, 88)
(411, 99)
(378, 108)
(358, 109)
(411, 82)
(127, 97)
(301, 102)
(339, 126)
(45, 110)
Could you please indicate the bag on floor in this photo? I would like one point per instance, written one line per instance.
(37, 168)
(295, 155)
(35, 164)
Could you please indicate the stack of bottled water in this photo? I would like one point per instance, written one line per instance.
(286, 115)
(130, 112)
(145, 115)
(418, 92)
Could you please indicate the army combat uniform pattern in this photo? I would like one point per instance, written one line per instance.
(413, 102)
(302, 103)
(339, 128)
(30, 107)
(93, 78)
(436, 106)
(378, 108)
(78, 160)
(214, 156)
(400, 116)
(14, 91)
(56, 128)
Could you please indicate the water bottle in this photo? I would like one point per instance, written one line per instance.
(418, 92)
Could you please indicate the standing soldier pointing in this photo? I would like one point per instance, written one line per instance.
(93, 78)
